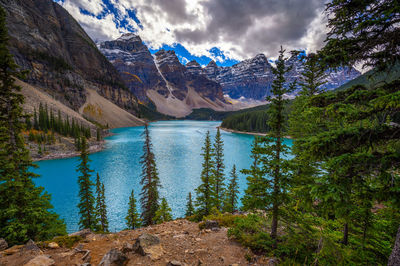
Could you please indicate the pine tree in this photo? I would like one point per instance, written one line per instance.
(231, 197)
(150, 181)
(363, 32)
(25, 210)
(273, 159)
(205, 199)
(256, 195)
(101, 208)
(163, 214)
(189, 206)
(218, 171)
(86, 197)
(302, 123)
(133, 220)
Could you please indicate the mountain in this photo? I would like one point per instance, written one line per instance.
(160, 79)
(63, 61)
(252, 78)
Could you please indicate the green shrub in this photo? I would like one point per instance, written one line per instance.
(66, 241)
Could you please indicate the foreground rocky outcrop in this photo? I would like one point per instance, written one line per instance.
(178, 242)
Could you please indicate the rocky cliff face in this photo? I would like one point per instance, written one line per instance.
(135, 63)
(252, 78)
(61, 58)
(161, 78)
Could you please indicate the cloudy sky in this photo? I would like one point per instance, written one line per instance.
(226, 31)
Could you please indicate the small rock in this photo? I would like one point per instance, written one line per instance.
(86, 264)
(201, 250)
(210, 224)
(53, 245)
(198, 239)
(178, 236)
(273, 262)
(234, 264)
(113, 258)
(127, 248)
(174, 263)
(3, 244)
(40, 260)
(207, 230)
(30, 246)
(83, 233)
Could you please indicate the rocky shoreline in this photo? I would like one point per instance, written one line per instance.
(242, 132)
(93, 148)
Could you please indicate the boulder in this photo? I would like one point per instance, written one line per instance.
(53, 245)
(148, 244)
(30, 246)
(127, 248)
(211, 224)
(3, 244)
(83, 233)
(40, 260)
(113, 258)
(144, 242)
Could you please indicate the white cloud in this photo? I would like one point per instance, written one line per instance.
(241, 29)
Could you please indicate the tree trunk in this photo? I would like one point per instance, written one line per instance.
(394, 258)
(346, 234)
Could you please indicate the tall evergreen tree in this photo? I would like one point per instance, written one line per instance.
(218, 171)
(101, 208)
(163, 214)
(205, 199)
(25, 210)
(272, 150)
(150, 181)
(256, 195)
(363, 32)
(232, 192)
(133, 220)
(189, 206)
(303, 122)
(274, 161)
(86, 197)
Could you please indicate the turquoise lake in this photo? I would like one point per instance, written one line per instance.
(177, 148)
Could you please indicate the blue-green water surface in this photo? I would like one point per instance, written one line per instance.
(177, 148)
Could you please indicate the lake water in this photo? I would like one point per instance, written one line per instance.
(177, 148)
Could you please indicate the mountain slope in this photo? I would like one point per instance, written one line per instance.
(60, 57)
(252, 78)
(161, 79)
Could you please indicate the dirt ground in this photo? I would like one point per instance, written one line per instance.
(180, 241)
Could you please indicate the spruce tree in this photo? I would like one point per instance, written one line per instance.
(256, 195)
(163, 214)
(25, 209)
(150, 181)
(304, 122)
(277, 166)
(86, 198)
(205, 199)
(133, 220)
(101, 208)
(272, 150)
(231, 197)
(189, 206)
(218, 171)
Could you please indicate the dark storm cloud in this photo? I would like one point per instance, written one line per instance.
(176, 10)
(236, 21)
